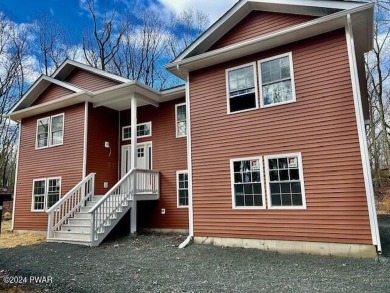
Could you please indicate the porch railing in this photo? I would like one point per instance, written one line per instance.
(119, 196)
(66, 207)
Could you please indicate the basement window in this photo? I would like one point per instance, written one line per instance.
(182, 188)
(50, 131)
(277, 80)
(285, 184)
(247, 183)
(143, 130)
(241, 88)
(46, 192)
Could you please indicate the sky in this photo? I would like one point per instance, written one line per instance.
(70, 13)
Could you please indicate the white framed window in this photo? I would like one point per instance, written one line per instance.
(50, 131)
(276, 80)
(241, 85)
(181, 120)
(46, 192)
(247, 183)
(285, 183)
(182, 188)
(143, 130)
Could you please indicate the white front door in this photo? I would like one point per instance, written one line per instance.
(144, 157)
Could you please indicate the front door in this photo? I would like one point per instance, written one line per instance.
(144, 157)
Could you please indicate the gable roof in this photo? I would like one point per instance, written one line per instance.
(242, 8)
(69, 65)
(39, 86)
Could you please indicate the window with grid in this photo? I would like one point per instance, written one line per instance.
(285, 183)
(46, 192)
(50, 131)
(143, 130)
(181, 120)
(247, 185)
(277, 84)
(241, 83)
(182, 189)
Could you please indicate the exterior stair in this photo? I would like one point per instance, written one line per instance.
(81, 217)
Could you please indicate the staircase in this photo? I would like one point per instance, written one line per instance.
(81, 217)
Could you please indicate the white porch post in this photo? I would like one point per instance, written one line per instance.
(133, 162)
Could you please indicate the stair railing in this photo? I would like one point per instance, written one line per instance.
(69, 204)
(135, 181)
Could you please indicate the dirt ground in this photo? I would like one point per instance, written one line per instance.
(9, 239)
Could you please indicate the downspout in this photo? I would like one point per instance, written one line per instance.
(189, 166)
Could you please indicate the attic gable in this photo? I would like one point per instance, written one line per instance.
(53, 91)
(258, 23)
(89, 81)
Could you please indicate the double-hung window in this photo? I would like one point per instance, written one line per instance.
(182, 188)
(50, 131)
(241, 88)
(247, 183)
(143, 130)
(276, 80)
(46, 192)
(285, 181)
(181, 120)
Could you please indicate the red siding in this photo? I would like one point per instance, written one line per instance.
(103, 124)
(258, 23)
(89, 81)
(52, 92)
(64, 161)
(169, 154)
(321, 124)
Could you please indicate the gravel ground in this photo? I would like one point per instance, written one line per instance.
(153, 263)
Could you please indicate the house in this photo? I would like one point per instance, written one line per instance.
(264, 147)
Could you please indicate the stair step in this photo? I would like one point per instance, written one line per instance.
(76, 228)
(72, 235)
(80, 215)
(69, 241)
(79, 221)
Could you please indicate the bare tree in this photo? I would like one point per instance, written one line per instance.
(53, 43)
(101, 43)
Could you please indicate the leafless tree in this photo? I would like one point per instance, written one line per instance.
(101, 43)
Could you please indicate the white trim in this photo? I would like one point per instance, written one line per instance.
(177, 189)
(189, 160)
(234, 207)
(301, 179)
(177, 129)
(16, 179)
(362, 138)
(49, 135)
(90, 69)
(255, 83)
(45, 194)
(293, 100)
(138, 136)
(85, 145)
(243, 8)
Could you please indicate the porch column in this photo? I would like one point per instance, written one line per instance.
(133, 162)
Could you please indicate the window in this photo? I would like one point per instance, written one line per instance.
(277, 82)
(182, 188)
(143, 130)
(181, 120)
(46, 192)
(247, 183)
(241, 85)
(50, 131)
(285, 181)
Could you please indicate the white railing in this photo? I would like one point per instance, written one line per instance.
(120, 195)
(66, 207)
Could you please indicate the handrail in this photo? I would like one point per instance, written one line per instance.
(66, 207)
(66, 196)
(120, 195)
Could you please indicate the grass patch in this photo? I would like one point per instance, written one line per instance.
(9, 239)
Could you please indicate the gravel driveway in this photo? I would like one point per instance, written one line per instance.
(153, 263)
